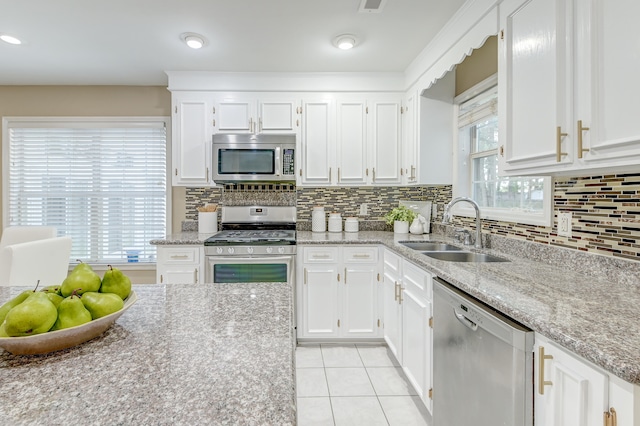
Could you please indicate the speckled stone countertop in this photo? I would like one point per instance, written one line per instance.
(592, 316)
(182, 355)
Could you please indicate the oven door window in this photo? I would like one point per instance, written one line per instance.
(246, 161)
(249, 273)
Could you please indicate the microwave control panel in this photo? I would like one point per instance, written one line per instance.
(288, 163)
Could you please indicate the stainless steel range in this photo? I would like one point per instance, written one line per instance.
(255, 244)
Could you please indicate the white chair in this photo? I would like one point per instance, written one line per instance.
(47, 260)
(22, 234)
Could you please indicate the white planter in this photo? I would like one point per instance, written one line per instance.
(401, 227)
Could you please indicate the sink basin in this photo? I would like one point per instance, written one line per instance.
(430, 246)
(463, 256)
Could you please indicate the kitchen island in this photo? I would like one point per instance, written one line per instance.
(183, 354)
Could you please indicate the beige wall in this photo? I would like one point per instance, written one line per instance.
(24, 101)
(482, 63)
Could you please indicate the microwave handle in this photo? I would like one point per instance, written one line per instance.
(278, 161)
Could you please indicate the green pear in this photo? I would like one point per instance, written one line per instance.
(3, 332)
(71, 312)
(52, 289)
(114, 281)
(81, 277)
(55, 298)
(4, 309)
(101, 304)
(35, 315)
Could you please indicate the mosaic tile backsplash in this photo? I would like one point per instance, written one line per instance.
(605, 209)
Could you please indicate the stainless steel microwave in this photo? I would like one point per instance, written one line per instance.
(254, 158)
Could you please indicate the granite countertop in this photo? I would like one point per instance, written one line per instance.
(581, 310)
(183, 354)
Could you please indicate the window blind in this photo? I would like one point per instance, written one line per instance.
(103, 183)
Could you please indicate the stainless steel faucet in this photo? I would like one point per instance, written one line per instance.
(446, 218)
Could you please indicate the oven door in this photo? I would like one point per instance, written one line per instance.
(239, 269)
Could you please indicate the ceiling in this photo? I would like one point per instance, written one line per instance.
(125, 42)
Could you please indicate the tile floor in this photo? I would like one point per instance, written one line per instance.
(354, 385)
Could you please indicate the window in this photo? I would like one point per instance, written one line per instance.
(101, 181)
(512, 199)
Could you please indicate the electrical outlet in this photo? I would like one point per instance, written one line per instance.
(564, 224)
(434, 210)
(364, 209)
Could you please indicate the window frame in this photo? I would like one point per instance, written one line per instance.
(462, 180)
(9, 122)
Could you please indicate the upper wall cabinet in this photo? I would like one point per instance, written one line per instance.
(568, 87)
(235, 114)
(191, 138)
(316, 148)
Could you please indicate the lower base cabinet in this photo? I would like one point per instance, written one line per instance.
(337, 291)
(570, 391)
(180, 264)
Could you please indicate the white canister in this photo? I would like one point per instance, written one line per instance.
(318, 220)
(351, 224)
(335, 222)
(207, 222)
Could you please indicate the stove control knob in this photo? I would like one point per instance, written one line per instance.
(230, 250)
(281, 250)
(249, 250)
(219, 250)
(269, 250)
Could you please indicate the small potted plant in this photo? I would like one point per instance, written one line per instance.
(400, 217)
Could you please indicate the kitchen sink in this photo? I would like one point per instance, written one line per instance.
(429, 246)
(463, 256)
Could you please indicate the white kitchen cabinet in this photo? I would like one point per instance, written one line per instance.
(192, 128)
(571, 391)
(180, 264)
(568, 86)
(352, 142)
(392, 309)
(338, 292)
(244, 114)
(417, 337)
(385, 141)
(317, 147)
(410, 147)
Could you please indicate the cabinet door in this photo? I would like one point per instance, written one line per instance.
(606, 75)
(574, 393)
(278, 116)
(534, 76)
(179, 265)
(352, 142)
(359, 301)
(385, 141)
(236, 116)
(391, 306)
(320, 300)
(318, 143)
(192, 130)
(410, 145)
(416, 340)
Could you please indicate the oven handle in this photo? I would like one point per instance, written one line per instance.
(264, 259)
(278, 162)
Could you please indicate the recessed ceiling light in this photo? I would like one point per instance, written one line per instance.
(10, 39)
(193, 40)
(345, 41)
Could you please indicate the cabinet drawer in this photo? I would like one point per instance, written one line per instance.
(392, 262)
(320, 254)
(360, 254)
(416, 280)
(181, 255)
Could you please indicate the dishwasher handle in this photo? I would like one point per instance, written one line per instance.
(465, 321)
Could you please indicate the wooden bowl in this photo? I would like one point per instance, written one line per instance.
(66, 338)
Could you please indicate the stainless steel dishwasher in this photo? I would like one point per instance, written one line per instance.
(482, 363)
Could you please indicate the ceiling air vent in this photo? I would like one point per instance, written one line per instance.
(371, 6)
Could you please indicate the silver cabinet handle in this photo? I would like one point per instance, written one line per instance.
(541, 381)
(179, 256)
(195, 275)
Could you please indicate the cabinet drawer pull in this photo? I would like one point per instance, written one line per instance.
(559, 135)
(581, 129)
(541, 381)
(321, 256)
(362, 256)
(179, 256)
